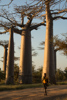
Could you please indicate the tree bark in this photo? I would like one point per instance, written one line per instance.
(55, 59)
(48, 66)
(10, 60)
(5, 59)
(25, 71)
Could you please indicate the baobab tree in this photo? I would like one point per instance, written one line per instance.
(56, 48)
(61, 43)
(54, 10)
(25, 70)
(10, 56)
(5, 45)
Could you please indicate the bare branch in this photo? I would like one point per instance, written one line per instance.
(4, 43)
(16, 58)
(29, 21)
(3, 25)
(7, 4)
(59, 17)
(17, 31)
(36, 26)
(1, 60)
(42, 43)
(41, 48)
(62, 11)
(34, 54)
(56, 49)
(4, 32)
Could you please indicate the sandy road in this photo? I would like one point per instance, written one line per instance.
(35, 93)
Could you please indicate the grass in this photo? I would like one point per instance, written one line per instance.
(19, 86)
(62, 83)
(4, 87)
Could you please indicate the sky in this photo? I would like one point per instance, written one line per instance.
(59, 27)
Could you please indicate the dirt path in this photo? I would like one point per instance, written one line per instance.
(35, 93)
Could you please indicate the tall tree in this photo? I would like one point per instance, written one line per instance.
(5, 45)
(54, 9)
(10, 56)
(25, 73)
(56, 48)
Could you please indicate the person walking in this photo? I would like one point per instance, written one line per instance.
(45, 83)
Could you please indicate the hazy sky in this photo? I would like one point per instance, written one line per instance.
(59, 26)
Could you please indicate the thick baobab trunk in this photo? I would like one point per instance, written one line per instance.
(25, 71)
(10, 60)
(48, 66)
(5, 59)
(55, 59)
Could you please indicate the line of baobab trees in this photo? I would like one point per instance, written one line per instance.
(25, 69)
(31, 12)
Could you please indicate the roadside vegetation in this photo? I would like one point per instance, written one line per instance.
(61, 79)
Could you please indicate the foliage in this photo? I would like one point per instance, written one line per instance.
(2, 75)
(61, 43)
(62, 83)
(21, 86)
(60, 75)
(16, 72)
(65, 72)
(36, 75)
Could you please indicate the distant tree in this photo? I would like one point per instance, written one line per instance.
(59, 75)
(5, 45)
(61, 43)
